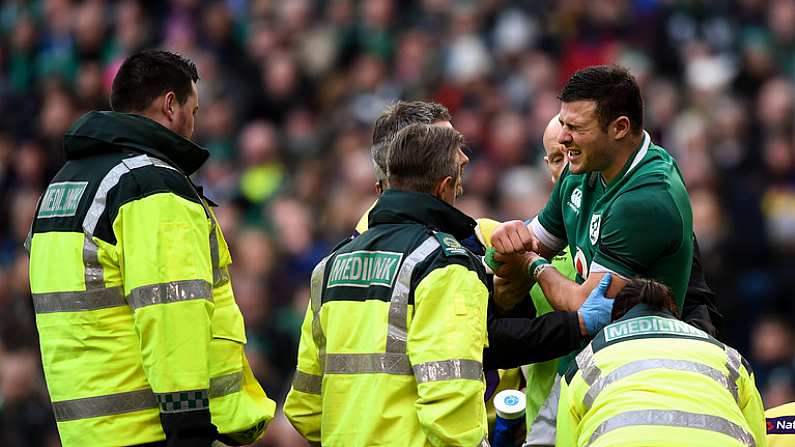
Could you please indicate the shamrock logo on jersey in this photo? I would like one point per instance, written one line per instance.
(596, 222)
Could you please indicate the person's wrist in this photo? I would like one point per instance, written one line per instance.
(537, 265)
(583, 328)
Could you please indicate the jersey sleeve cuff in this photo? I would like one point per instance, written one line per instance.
(600, 268)
(549, 240)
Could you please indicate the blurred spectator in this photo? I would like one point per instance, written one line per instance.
(290, 90)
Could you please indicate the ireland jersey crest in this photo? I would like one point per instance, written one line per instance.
(596, 222)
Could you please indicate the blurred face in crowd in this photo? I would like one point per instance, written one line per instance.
(585, 142)
(554, 152)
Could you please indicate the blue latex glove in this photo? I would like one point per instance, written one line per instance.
(596, 310)
(493, 264)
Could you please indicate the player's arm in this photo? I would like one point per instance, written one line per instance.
(545, 235)
(164, 254)
(445, 347)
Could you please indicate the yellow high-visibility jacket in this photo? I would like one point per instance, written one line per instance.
(651, 379)
(135, 311)
(781, 425)
(392, 343)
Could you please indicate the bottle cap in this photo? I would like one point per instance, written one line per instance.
(510, 404)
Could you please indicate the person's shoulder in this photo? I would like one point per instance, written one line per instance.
(781, 411)
(656, 167)
(143, 176)
(450, 251)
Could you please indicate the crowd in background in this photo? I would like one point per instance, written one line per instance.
(288, 94)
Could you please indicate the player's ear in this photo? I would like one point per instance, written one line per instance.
(620, 127)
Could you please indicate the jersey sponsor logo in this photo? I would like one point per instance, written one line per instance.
(61, 199)
(581, 264)
(575, 200)
(650, 325)
(784, 425)
(365, 269)
(593, 230)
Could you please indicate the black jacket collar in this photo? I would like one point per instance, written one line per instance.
(98, 132)
(396, 206)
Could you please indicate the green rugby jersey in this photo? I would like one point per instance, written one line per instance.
(640, 224)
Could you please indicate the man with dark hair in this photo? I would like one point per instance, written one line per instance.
(650, 379)
(141, 338)
(387, 125)
(392, 344)
(620, 204)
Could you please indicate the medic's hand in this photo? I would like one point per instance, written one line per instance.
(595, 311)
(512, 237)
(507, 293)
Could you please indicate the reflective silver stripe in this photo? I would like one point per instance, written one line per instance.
(307, 383)
(28, 241)
(315, 301)
(93, 269)
(78, 301)
(111, 404)
(650, 364)
(162, 164)
(674, 418)
(448, 370)
(220, 276)
(484, 442)
(397, 332)
(387, 363)
(586, 364)
(170, 292)
(90, 407)
(110, 180)
(733, 362)
(94, 274)
(215, 254)
(227, 384)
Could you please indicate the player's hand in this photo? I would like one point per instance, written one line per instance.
(507, 293)
(512, 237)
(514, 267)
(596, 311)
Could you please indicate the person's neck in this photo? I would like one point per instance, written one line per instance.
(624, 150)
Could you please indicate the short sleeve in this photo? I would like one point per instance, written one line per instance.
(639, 228)
(549, 226)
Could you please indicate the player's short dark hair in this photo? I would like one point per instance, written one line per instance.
(646, 291)
(421, 155)
(149, 74)
(396, 117)
(614, 90)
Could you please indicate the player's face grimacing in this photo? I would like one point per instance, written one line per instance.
(586, 144)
